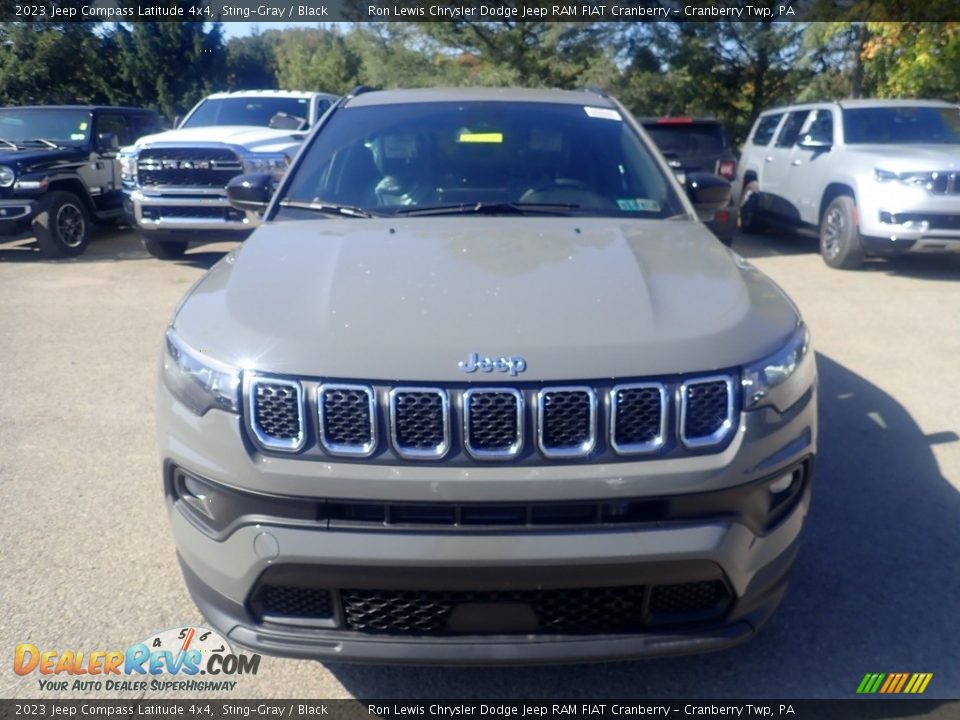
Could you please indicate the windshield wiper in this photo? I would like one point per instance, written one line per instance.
(328, 208)
(9, 144)
(492, 208)
(42, 141)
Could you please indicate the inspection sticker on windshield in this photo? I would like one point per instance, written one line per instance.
(485, 137)
(638, 205)
(77, 136)
(605, 113)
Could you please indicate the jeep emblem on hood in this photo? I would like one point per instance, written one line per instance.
(514, 364)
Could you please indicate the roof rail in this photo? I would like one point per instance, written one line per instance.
(596, 90)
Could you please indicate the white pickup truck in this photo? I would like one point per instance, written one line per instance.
(173, 182)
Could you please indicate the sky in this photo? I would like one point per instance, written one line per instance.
(239, 29)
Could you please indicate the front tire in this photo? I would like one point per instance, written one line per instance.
(165, 249)
(749, 221)
(840, 245)
(62, 226)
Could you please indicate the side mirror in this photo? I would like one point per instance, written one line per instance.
(107, 142)
(250, 193)
(808, 142)
(708, 193)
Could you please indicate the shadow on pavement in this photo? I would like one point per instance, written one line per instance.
(932, 266)
(875, 587)
(109, 244)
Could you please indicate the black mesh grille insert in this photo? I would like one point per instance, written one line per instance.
(706, 408)
(188, 167)
(688, 597)
(570, 611)
(419, 420)
(638, 416)
(492, 421)
(292, 602)
(346, 416)
(566, 417)
(276, 411)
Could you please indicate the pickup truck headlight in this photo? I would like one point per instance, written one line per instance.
(781, 379)
(199, 382)
(128, 166)
(7, 176)
(276, 165)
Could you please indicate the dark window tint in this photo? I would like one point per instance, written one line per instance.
(419, 155)
(901, 125)
(820, 127)
(115, 125)
(688, 138)
(256, 111)
(765, 128)
(141, 125)
(790, 132)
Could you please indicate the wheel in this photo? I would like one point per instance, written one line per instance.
(62, 226)
(165, 249)
(749, 220)
(840, 244)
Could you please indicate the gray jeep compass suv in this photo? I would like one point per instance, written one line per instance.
(482, 388)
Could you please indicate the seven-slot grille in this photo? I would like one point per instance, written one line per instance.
(187, 167)
(567, 421)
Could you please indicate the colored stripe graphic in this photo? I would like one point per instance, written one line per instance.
(894, 683)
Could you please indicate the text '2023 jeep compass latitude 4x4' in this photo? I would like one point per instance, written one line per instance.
(483, 388)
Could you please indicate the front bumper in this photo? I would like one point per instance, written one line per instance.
(749, 558)
(16, 214)
(899, 220)
(190, 210)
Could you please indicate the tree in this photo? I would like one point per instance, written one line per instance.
(252, 62)
(167, 65)
(316, 59)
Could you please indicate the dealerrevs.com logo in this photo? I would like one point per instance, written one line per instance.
(171, 660)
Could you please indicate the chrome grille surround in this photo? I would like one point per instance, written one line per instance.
(717, 436)
(578, 450)
(364, 449)
(468, 414)
(419, 453)
(253, 383)
(638, 448)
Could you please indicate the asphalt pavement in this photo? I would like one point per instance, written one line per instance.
(87, 560)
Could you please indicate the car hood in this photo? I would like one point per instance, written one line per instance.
(254, 139)
(407, 299)
(26, 158)
(907, 158)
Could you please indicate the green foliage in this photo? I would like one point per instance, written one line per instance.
(730, 70)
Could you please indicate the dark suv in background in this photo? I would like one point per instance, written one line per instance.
(697, 145)
(59, 171)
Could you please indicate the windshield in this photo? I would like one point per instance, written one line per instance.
(689, 138)
(504, 156)
(54, 125)
(255, 111)
(896, 125)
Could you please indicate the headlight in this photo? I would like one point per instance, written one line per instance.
(781, 378)
(7, 176)
(911, 179)
(199, 382)
(128, 166)
(276, 165)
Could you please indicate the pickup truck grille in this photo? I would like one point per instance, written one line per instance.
(187, 167)
(493, 423)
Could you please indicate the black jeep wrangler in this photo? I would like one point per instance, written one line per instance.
(59, 171)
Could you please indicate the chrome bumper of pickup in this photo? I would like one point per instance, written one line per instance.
(192, 206)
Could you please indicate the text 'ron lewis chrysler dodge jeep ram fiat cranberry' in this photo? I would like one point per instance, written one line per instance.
(482, 388)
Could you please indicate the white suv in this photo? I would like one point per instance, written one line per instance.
(875, 177)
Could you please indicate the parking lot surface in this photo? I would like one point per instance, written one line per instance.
(88, 562)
